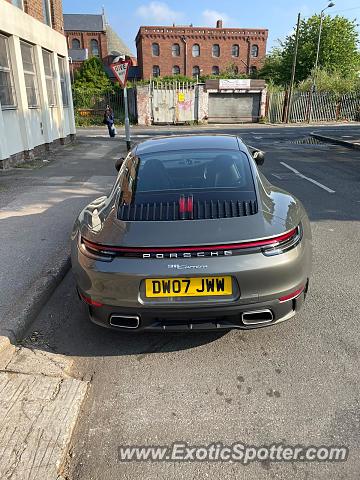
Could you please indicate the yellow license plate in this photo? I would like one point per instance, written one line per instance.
(188, 287)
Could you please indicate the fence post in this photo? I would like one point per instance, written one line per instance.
(285, 106)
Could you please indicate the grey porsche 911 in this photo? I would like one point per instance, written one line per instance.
(192, 237)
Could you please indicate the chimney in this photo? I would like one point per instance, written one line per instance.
(219, 24)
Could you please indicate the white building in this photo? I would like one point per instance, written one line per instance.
(36, 107)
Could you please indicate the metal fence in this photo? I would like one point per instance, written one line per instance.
(90, 110)
(316, 107)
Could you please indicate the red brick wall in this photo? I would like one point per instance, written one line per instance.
(85, 41)
(35, 9)
(205, 37)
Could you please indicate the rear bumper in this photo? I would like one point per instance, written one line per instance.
(194, 319)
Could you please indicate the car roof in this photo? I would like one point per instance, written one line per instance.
(193, 142)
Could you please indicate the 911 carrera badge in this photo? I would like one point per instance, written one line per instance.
(223, 253)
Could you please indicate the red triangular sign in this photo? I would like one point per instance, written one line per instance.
(121, 70)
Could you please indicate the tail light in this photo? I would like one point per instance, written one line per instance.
(287, 242)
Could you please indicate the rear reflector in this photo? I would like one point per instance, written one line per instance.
(89, 301)
(292, 295)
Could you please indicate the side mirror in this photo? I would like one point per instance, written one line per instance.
(259, 157)
(118, 163)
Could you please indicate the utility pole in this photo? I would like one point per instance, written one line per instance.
(291, 89)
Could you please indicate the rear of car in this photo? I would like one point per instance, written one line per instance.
(191, 239)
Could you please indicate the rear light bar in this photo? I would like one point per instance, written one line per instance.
(269, 246)
(292, 295)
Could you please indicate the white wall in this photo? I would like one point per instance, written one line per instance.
(21, 128)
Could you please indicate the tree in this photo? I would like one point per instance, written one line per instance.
(90, 81)
(338, 50)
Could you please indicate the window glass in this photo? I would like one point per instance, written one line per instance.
(75, 43)
(63, 82)
(254, 51)
(49, 77)
(175, 50)
(46, 12)
(216, 50)
(235, 50)
(7, 90)
(18, 3)
(189, 170)
(196, 50)
(94, 46)
(176, 70)
(215, 70)
(156, 71)
(27, 54)
(155, 49)
(196, 71)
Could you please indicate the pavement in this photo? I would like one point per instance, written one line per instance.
(294, 383)
(40, 399)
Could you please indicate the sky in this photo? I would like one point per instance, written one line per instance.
(278, 16)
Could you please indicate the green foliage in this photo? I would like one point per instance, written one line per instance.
(91, 80)
(331, 82)
(338, 51)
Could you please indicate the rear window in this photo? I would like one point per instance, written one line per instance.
(189, 170)
(212, 183)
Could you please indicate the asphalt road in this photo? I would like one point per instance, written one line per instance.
(295, 383)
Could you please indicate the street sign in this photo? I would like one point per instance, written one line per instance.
(121, 70)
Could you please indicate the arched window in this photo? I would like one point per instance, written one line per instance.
(176, 70)
(175, 50)
(156, 71)
(254, 51)
(216, 50)
(75, 43)
(94, 47)
(196, 50)
(196, 71)
(155, 49)
(215, 70)
(235, 50)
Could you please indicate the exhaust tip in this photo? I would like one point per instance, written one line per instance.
(125, 321)
(257, 317)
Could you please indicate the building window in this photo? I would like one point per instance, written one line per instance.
(155, 48)
(7, 90)
(235, 50)
(46, 12)
(156, 71)
(49, 77)
(63, 82)
(253, 70)
(18, 3)
(215, 70)
(196, 71)
(216, 50)
(27, 54)
(176, 70)
(94, 47)
(75, 43)
(176, 50)
(196, 50)
(254, 51)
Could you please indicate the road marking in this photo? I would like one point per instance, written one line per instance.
(324, 187)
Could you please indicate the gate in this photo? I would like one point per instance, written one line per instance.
(173, 102)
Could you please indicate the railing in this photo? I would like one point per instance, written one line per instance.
(90, 110)
(315, 107)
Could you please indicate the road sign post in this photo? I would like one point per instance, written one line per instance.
(121, 70)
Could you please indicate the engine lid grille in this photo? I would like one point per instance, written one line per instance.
(199, 210)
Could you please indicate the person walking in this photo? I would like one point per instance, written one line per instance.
(109, 120)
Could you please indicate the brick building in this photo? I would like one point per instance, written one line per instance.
(194, 51)
(89, 35)
(35, 93)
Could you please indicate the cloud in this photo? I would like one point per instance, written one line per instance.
(210, 17)
(158, 12)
